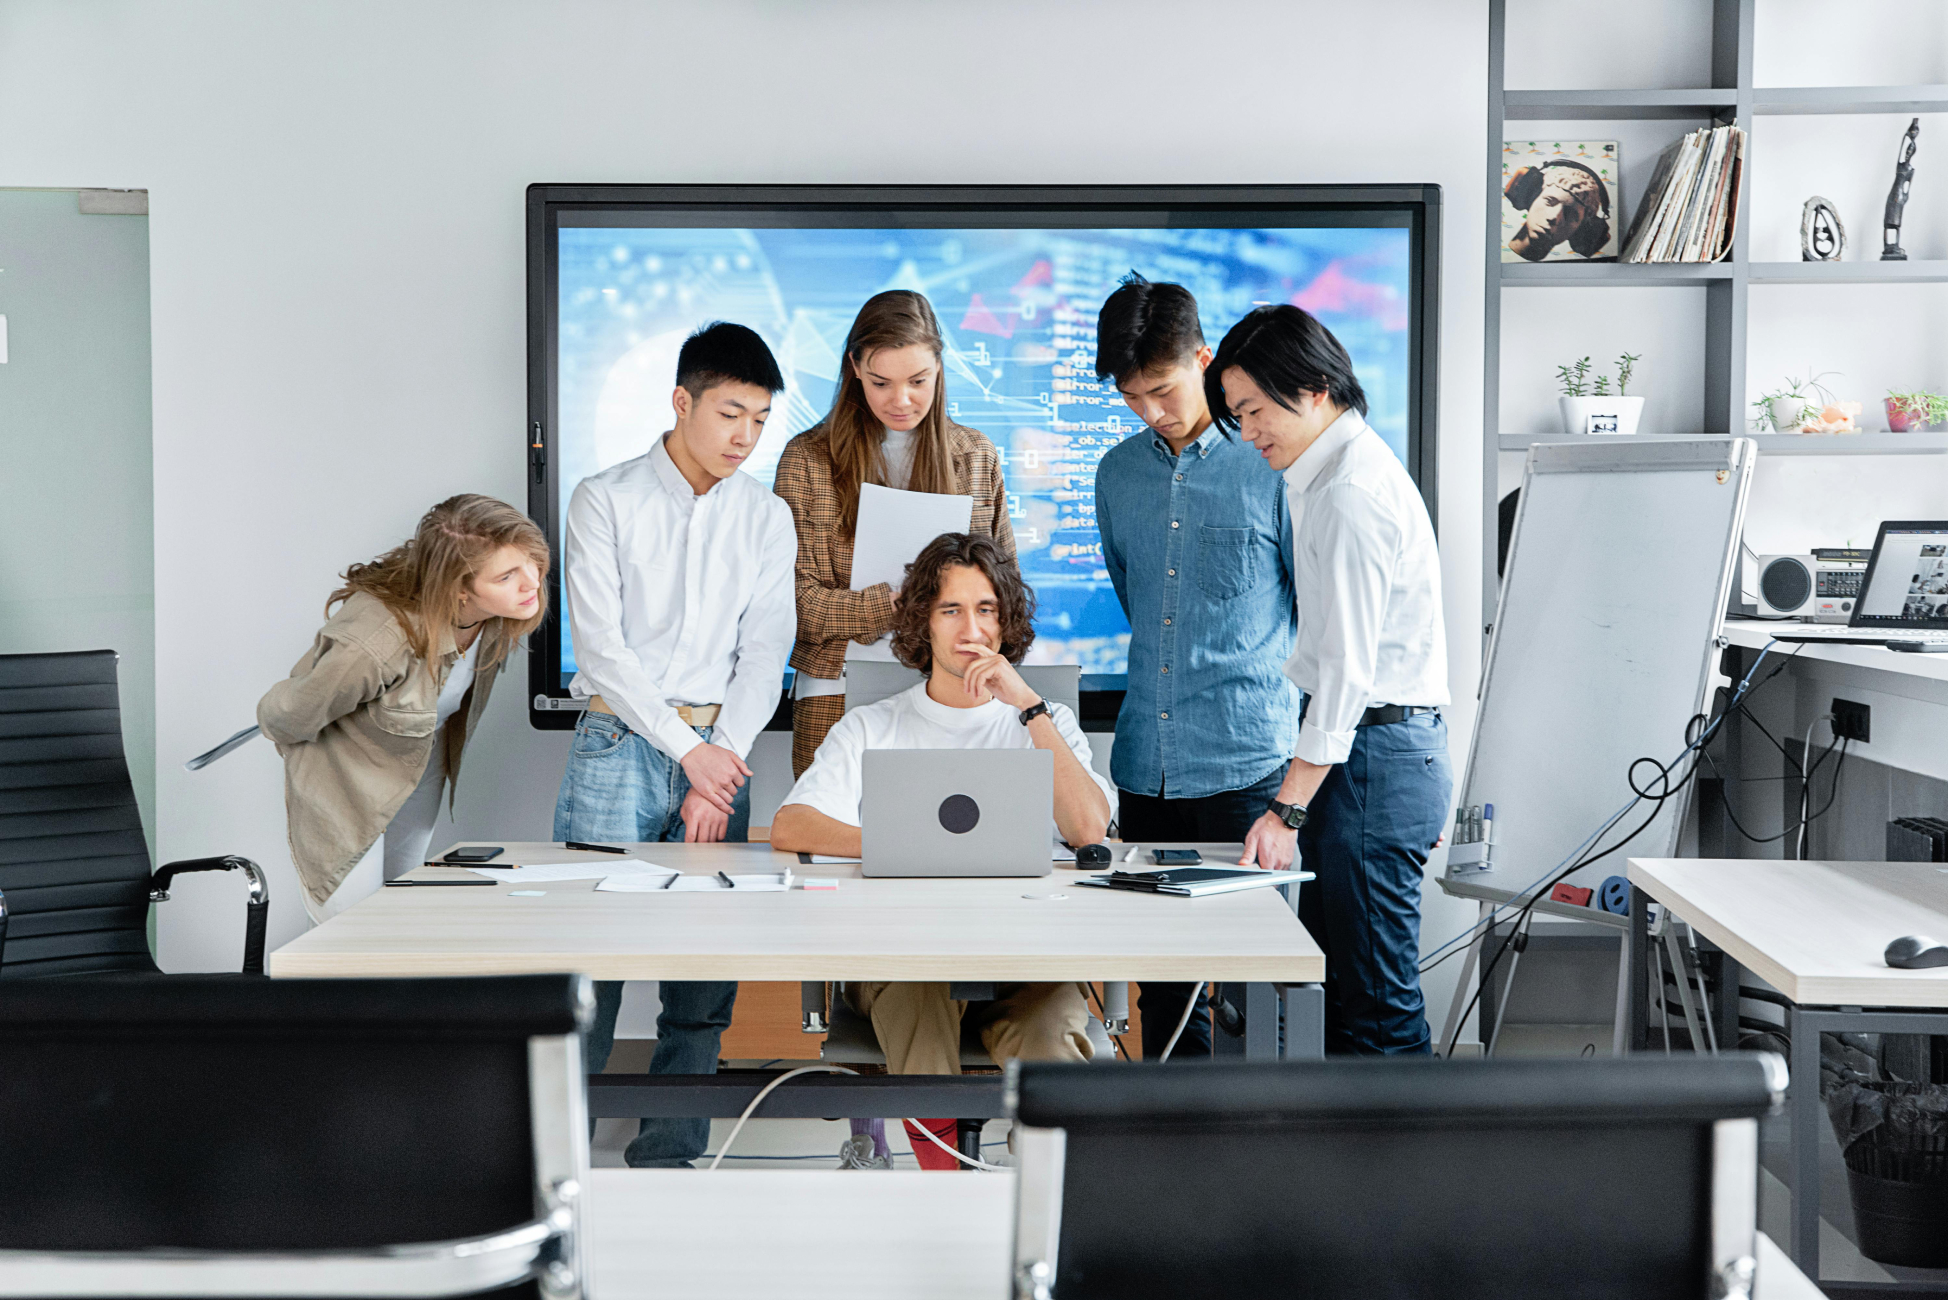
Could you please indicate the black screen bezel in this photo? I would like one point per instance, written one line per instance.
(1421, 203)
(1893, 622)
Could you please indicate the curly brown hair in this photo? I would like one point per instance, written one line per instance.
(913, 610)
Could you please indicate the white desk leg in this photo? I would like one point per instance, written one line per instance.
(1305, 1021)
(1620, 1037)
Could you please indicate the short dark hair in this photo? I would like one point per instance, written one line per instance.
(723, 353)
(913, 610)
(1143, 326)
(1286, 352)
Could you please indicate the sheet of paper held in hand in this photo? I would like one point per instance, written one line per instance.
(894, 527)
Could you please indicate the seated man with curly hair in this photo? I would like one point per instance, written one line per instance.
(965, 618)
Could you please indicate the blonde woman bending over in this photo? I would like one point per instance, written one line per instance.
(372, 721)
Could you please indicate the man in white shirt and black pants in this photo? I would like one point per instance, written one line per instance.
(680, 602)
(1365, 798)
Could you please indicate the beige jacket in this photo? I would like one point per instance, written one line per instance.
(354, 723)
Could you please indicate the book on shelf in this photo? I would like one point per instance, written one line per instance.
(1689, 212)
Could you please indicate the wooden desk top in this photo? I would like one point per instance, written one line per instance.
(1816, 931)
(885, 929)
(830, 1235)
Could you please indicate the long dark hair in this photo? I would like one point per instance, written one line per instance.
(855, 438)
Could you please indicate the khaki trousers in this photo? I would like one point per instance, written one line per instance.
(919, 1025)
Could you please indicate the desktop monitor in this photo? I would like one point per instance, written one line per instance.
(619, 275)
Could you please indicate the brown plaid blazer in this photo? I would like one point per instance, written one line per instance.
(830, 613)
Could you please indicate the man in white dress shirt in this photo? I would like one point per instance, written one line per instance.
(1366, 795)
(680, 602)
(965, 618)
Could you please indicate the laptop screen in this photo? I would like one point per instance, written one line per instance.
(1907, 583)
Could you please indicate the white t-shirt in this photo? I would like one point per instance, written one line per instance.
(913, 720)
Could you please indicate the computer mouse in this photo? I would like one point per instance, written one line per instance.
(1092, 854)
(1916, 952)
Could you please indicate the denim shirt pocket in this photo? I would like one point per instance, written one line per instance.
(1227, 564)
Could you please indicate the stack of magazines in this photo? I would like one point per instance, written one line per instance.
(1691, 208)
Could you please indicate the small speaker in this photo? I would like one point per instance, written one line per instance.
(1786, 585)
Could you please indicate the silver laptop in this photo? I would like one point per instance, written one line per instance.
(1903, 595)
(956, 812)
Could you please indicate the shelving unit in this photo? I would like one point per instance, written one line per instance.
(1731, 99)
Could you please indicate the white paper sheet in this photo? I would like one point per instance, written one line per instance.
(535, 872)
(894, 526)
(766, 882)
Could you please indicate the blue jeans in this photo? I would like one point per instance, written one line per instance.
(620, 788)
(1226, 816)
(1370, 828)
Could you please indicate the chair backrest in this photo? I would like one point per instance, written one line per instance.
(868, 681)
(1393, 1177)
(73, 864)
(226, 1113)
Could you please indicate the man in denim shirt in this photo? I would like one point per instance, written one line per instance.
(1198, 545)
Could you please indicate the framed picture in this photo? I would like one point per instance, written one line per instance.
(1559, 200)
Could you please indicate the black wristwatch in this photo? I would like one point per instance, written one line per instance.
(1038, 709)
(1289, 813)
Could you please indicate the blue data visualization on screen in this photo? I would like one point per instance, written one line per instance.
(1018, 310)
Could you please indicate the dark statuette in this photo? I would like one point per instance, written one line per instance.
(1822, 235)
(1891, 250)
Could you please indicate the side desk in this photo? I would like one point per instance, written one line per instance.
(1816, 932)
(1002, 929)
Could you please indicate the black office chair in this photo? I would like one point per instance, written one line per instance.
(75, 885)
(1360, 1178)
(206, 1135)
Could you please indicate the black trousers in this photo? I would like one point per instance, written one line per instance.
(1152, 819)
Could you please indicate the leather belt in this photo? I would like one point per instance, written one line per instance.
(693, 715)
(1381, 714)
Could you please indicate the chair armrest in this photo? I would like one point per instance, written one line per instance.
(256, 913)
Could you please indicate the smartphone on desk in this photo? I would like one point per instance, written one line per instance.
(1176, 857)
(476, 853)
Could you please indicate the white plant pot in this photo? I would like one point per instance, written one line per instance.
(1787, 413)
(1601, 414)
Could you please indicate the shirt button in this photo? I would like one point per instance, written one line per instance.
(1166, 667)
(1180, 478)
(1173, 523)
(1173, 573)
(1164, 715)
(1166, 622)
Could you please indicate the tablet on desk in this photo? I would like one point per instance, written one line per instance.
(434, 873)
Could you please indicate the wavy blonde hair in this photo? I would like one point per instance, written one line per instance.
(422, 581)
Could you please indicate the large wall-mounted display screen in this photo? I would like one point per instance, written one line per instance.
(620, 276)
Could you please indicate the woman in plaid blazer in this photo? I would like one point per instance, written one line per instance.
(888, 425)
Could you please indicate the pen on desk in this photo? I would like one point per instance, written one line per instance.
(672, 879)
(592, 848)
(728, 882)
(1131, 855)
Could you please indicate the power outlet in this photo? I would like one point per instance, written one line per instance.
(1851, 721)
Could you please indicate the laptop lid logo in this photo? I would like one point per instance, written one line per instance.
(959, 814)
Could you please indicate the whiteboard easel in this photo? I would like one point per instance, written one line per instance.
(1601, 651)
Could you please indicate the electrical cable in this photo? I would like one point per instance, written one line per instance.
(1737, 704)
(1663, 789)
(1190, 1005)
(765, 1091)
(1806, 785)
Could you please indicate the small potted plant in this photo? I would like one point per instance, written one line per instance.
(1915, 412)
(1589, 406)
(1785, 408)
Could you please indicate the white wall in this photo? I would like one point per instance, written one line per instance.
(76, 532)
(336, 199)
